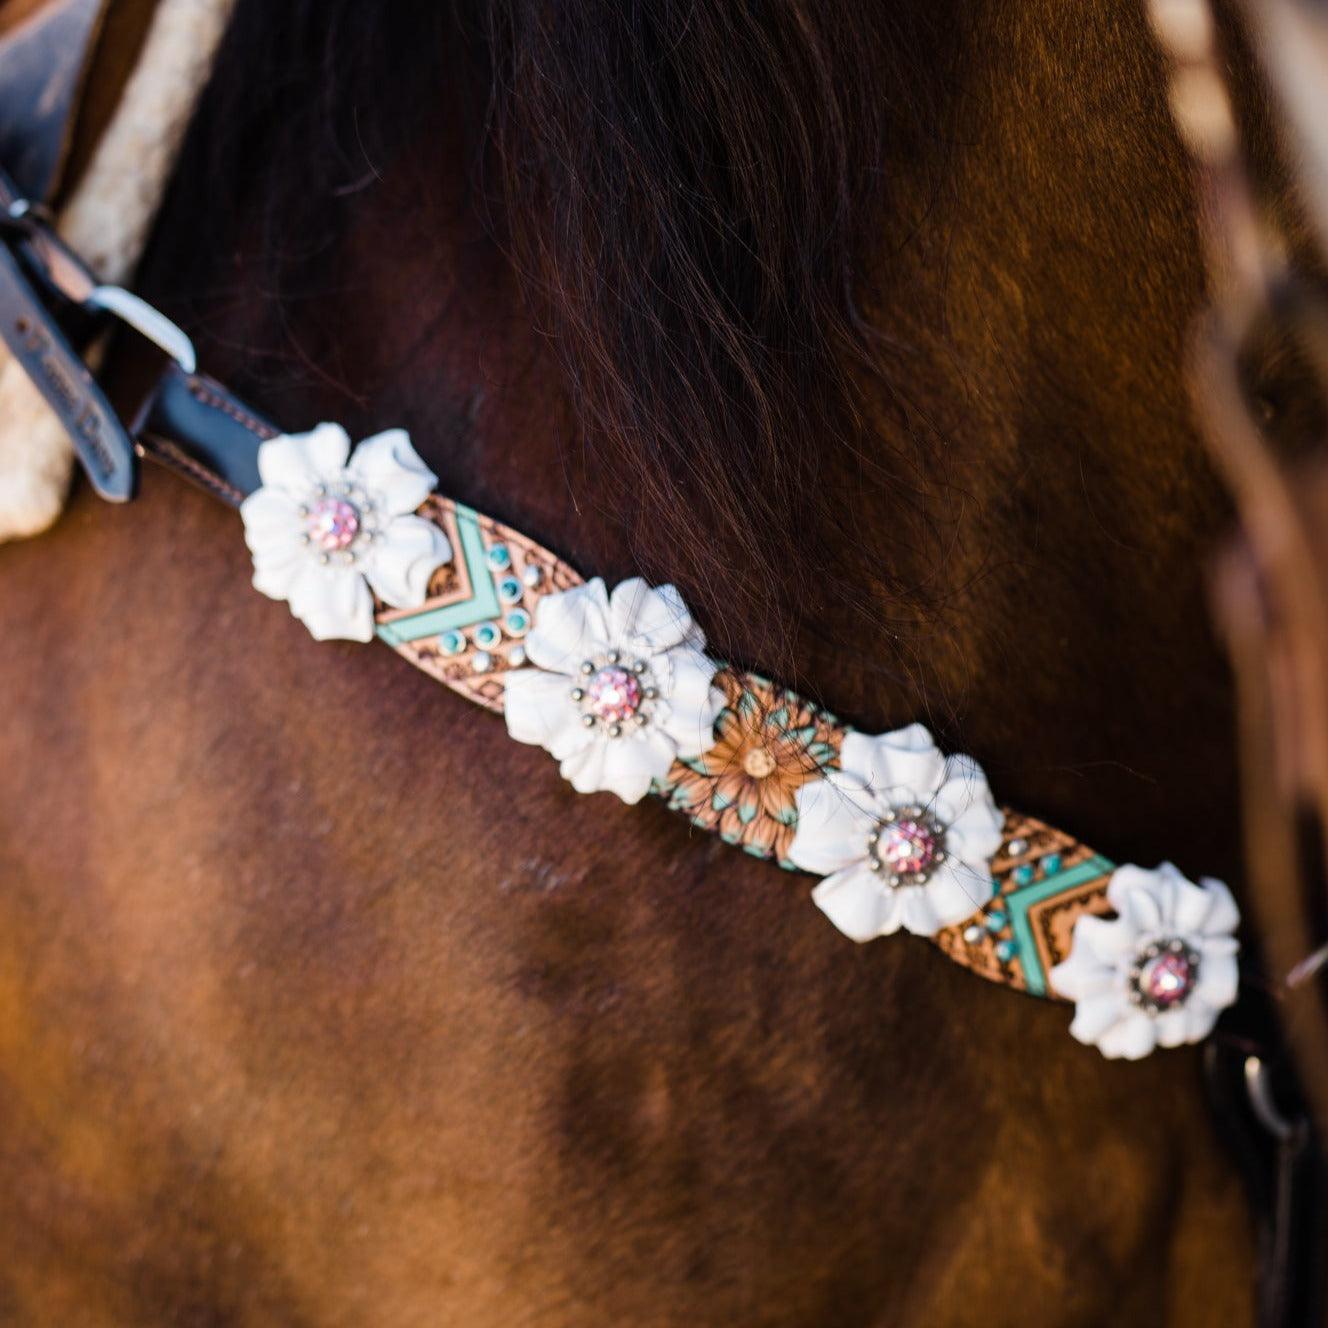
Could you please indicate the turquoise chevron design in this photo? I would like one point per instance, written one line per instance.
(1021, 902)
(482, 604)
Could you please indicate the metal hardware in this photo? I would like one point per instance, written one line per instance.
(25, 210)
(148, 322)
(49, 258)
(33, 256)
(1262, 1103)
(68, 276)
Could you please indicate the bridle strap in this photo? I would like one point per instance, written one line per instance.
(196, 426)
(1276, 1151)
(1268, 1086)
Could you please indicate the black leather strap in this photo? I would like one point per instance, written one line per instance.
(1266, 1126)
(42, 64)
(204, 432)
(41, 347)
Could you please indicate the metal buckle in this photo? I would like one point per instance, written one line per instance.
(66, 274)
(148, 321)
(1259, 1091)
(43, 251)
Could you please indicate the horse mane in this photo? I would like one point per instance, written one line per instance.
(688, 228)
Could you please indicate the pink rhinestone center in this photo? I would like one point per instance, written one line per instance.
(908, 846)
(614, 694)
(333, 524)
(1167, 979)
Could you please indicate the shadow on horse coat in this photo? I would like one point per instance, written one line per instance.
(323, 1002)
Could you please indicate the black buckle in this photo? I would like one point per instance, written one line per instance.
(32, 255)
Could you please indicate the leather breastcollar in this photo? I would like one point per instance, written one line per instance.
(470, 633)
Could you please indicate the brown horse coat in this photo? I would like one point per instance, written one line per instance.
(321, 1002)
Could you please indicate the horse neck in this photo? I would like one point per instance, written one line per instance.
(1008, 547)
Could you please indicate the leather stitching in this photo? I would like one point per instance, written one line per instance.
(171, 455)
(212, 398)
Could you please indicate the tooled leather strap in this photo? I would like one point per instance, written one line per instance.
(469, 633)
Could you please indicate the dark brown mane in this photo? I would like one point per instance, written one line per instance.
(689, 228)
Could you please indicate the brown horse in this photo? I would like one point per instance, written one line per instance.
(321, 1002)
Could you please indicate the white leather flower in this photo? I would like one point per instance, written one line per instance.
(325, 532)
(620, 687)
(1159, 973)
(903, 836)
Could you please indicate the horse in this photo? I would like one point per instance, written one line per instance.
(865, 326)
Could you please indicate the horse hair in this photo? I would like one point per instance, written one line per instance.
(687, 227)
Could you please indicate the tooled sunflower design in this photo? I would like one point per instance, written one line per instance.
(769, 743)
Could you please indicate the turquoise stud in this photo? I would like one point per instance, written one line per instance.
(1006, 950)
(451, 643)
(1023, 874)
(518, 622)
(500, 557)
(509, 590)
(488, 634)
(1051, 864)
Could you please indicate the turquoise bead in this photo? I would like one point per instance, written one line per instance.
(451, 643)
(500, 557)
(1006, 950)
(509, 590)
(1051, 864)
(1023, 874)
(488, 634)
(995, 920)
(518, 622)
